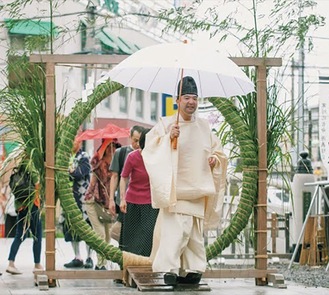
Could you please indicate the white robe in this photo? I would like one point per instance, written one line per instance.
(180, 176)
(182, 182)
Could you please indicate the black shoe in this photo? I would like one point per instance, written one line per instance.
(89, 263)
(192, 278)
(75, 263)
(100, 268)
(170, 278)
(118, 281)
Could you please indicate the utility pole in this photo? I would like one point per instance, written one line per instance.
(310, 131)
(301, 101)
(301, 98)
(90, 71)
(293, 122)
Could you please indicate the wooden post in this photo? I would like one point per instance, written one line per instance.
(287, 230)
(233, 243)
(274, 230)
(261, 209)
(50, 229)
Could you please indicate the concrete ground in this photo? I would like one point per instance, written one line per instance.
(24, 283)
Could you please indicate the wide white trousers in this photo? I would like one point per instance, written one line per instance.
(181, 244)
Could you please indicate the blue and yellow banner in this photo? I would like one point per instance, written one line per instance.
(169, 106)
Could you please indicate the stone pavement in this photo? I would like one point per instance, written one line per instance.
(24, 284)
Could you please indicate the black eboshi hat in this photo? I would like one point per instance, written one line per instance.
(188, 87)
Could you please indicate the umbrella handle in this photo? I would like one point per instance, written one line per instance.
(174, 140)
(174, 143)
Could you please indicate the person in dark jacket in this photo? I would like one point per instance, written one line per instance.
(28, 220)
(79, 170)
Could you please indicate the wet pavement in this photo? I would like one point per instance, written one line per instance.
(24, 283)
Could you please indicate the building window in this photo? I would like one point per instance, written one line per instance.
(139, 103)
(108, 103)
(29, 43)
(315, 114)
(154, 106)
(123, 97)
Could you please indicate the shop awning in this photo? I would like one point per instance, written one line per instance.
(30, 27)
(107, 41)
(131, 45)
(116, 42)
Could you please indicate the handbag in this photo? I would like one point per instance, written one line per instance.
(10, 206)
(104, 216)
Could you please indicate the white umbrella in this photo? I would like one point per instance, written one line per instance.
(159, 68)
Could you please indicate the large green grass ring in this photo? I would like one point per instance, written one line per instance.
(77, 116)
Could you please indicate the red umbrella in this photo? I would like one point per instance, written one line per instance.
(110, 131)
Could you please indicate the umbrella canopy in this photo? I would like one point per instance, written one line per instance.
(110, 131)
(158, 68)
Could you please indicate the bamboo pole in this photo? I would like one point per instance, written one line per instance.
(50, 229)
(261, 207)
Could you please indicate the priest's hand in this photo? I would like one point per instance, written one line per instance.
(212, 162)
(174, 132)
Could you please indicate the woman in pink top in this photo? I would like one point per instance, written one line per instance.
(139, 216)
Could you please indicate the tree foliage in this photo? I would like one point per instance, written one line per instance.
(271, 25)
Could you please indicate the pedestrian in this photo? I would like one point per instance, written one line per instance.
(3, 204)
(3, 201)
(98, 192)
(79, 173)
(28, 220)
(10, 211)
(116, 167)
(185, 185)
(135, 202)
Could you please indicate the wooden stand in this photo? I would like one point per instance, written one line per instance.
(313, 230)
(142, 278)
(314, 246)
